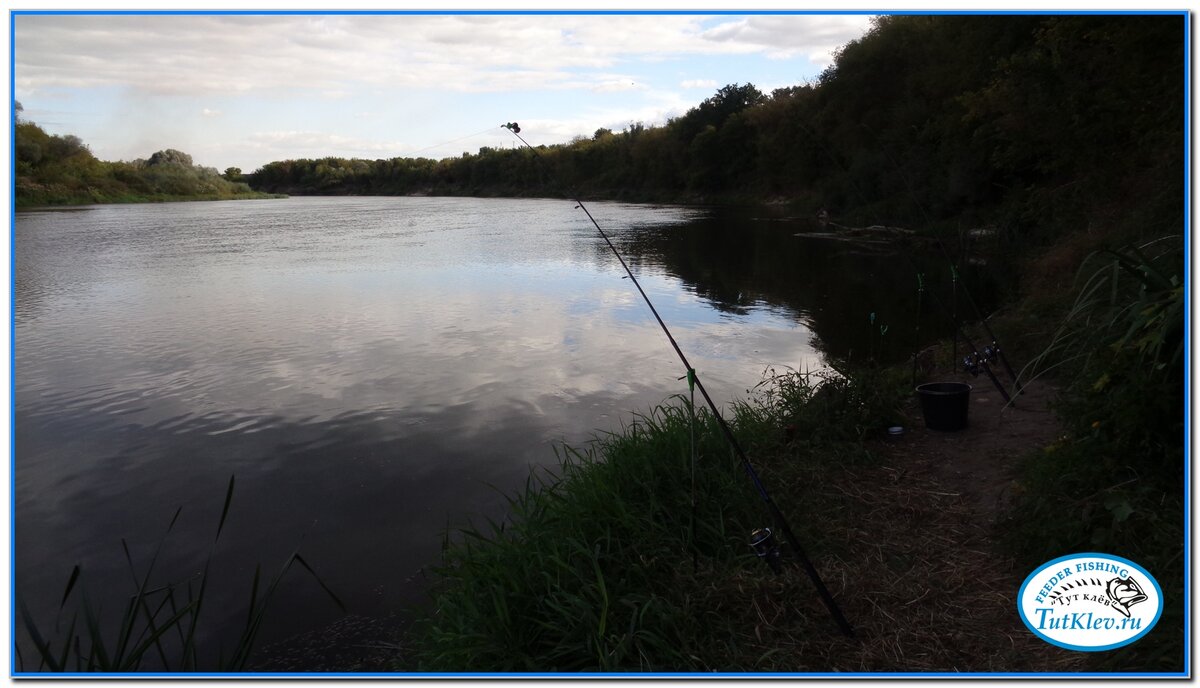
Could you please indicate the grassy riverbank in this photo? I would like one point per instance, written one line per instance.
(607, 566)
(60, 196)
(61, 170)
(603, 567)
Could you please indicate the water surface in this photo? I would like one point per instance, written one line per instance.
(372, 370)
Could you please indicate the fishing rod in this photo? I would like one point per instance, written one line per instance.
(954, 313)
(917, 333)
(993, 350)
(978, 360)
(762, 539)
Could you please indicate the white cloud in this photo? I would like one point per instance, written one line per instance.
(376, 79)
(783, 37)
(614, 84)
(190, 54)
(297, 144)
(549, 131)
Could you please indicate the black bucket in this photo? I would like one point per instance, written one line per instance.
(945, 405)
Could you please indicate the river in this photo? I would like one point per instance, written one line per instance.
(373, 371)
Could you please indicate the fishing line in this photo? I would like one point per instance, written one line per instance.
(776, 514)
(980, 360)
(995, 346)
(993, 351)
(954, 310)
(917, 334)
(447, 143)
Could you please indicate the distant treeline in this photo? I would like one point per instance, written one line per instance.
(57, 170)
(924, 120)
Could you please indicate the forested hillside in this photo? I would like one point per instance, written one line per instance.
(56, 170)
(925, 120)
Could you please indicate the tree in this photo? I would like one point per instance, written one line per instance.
(170, 156)
(233, 174)
(32, 143)
(726, 102)
(63, 147)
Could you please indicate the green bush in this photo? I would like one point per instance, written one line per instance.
(1114, 482)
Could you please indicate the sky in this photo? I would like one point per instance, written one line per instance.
(245, 90)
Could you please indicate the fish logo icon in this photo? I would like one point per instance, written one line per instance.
(1124, 593)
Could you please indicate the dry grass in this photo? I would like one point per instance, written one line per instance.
(916, 573)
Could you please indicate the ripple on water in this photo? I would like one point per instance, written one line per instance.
(363, 366)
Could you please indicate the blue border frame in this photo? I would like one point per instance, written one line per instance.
(1188, 157)
(12, 345)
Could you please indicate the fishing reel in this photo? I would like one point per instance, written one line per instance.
(991, 352)
(762, 541)
(973, 363)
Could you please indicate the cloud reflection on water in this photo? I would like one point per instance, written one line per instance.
(364, 391)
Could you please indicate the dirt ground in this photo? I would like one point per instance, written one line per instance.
(979, 461)
(925, 584)
(351, 644)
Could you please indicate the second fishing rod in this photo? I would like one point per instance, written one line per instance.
(993, 351)
(981, 359)
(762, 539)
(978, 360)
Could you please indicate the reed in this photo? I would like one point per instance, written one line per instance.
(1114, 482)
(159, 624)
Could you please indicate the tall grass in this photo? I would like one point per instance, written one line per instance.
(158, 627)
(606, 565)
(1114, 481)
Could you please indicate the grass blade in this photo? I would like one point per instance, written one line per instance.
(70, 586)
(98, 653)
(189, 645)
(253, 594)
(332, 595)
(66, 651)
(135, 656)
(225, 509)
(43, 648)
(152, 628)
